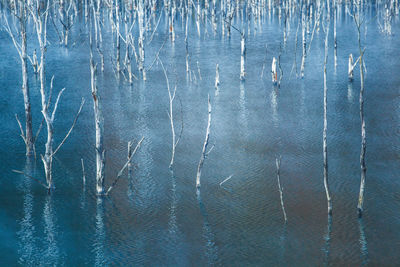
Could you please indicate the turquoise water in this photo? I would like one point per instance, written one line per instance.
(154, 217)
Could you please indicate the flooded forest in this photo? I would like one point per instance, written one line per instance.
(199, 132)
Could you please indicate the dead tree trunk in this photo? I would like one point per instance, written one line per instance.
(204, 152)
(325, 146)
(25, 86)
(334, 32)
(351, 67)
(22, 17)
(170, 113)
(117, 22)
(304, 44)
(99, 123)
(40, 16)
(363, 133)
(187, 43)
(242, 56)
(216, 84)
(274, 72)
(278, 173)
(41, 25)
(141, 10)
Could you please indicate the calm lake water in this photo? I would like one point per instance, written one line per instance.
(154, 217)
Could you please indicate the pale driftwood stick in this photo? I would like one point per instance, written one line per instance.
(324, 135)
(27, 175)
(278, 167)
(72, 127)
(83, 173)
(226, 179)
(204, 151)
(216, 76)
(124, 167)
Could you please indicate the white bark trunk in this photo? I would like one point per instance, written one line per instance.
(274, 72)
(324, 135)
(29, 142)
(304, 44)
(99, 124)
(141, 39)
(242, 57)
(363, 134)
(216, 76)
(204, 152)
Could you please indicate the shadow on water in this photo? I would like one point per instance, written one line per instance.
(327, 237)
(363, 243)
(211, 252)
(174, 238)
(172, 222)
(274, 105)
(26, 234)
(51, 254)
(243, 109)
(350, 92)
(100, 235)
(282, 245)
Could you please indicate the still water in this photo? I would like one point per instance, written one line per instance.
(154, 216)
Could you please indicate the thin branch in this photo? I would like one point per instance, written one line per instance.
(159, 19)
(124, 167)
(72, 127)
(38, 131)
(8, 30)
(83, 173)
(157, 55)
(27, 175)
(20, 127)
(278, 167)
(180, 134)
(56, 104)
